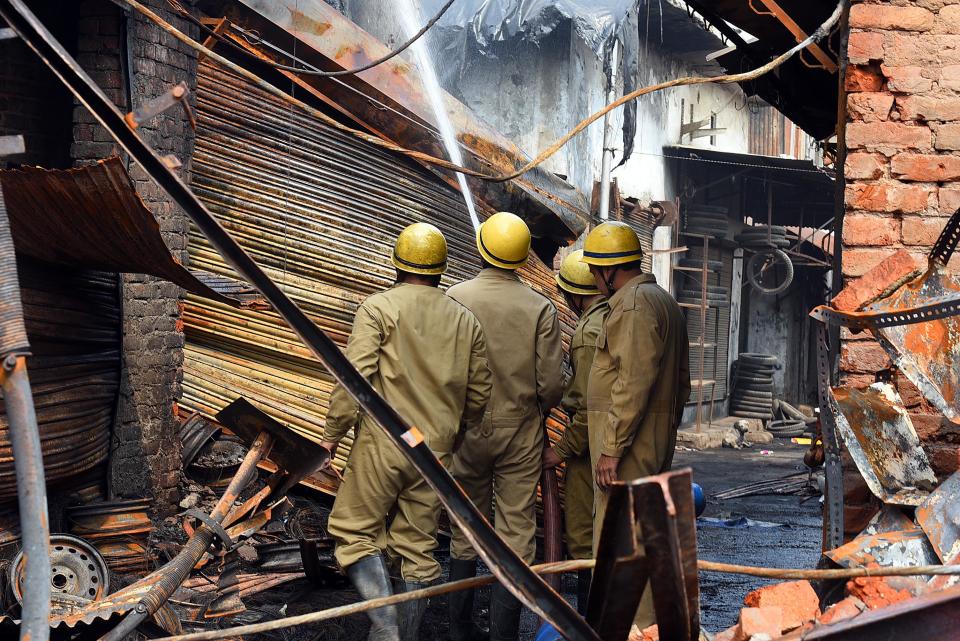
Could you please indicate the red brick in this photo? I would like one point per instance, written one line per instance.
(864, 46)
(925, 167)
(885, 197)
(883, 16)
(863, 79)
(947, 137)
(944, 458)
(908, 79)
(919, 230)
(863, 357)
(950, 77)
(858, 381)
(949, 198)
(875, 592)
(876, 135)
(878, 280)
(753, 621)
(796, 599)
(869, 106)
(864, 166)
(929, 108)
(857, 262)
(928, 426)
(925, 50)
(948, 20)
(842, 610)
(912, 399)
(861, 229)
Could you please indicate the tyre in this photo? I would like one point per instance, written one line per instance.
(751, 358)
(749, 414)
(757, 263)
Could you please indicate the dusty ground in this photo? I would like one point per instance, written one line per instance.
(796, 543)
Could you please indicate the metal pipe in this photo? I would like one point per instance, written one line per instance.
(25, 442)
(607, 159)
(175, 572)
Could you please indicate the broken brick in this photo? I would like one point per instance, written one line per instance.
(864, 166)
(864, 46)
(796, 599)
(863, 357)
(870, 106)
(908, 79)
(881, 279)
(928, 108)
(875, 592)
(863, 79)
(842, 610)
(755, 621)
(726, 635)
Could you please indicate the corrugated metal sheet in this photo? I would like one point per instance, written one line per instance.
(73, 321)
(319, 210)
(91, 217)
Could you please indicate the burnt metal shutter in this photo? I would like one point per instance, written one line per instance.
(717, 322)
(72, 318)
(644, 222)
(319, 210)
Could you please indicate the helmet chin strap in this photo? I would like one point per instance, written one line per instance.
(608, 280)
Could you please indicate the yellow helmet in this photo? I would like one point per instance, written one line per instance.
(575, 277)
(612, 243)
(421, 249)
(504, 240)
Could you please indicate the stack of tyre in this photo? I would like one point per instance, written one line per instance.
(706, 220)
(753, 386)
(763, 236)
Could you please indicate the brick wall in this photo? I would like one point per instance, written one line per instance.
(146, 454)
(902, 167)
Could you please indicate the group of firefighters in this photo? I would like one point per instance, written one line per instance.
(477, 370)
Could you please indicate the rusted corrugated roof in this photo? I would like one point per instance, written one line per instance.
(92, 217)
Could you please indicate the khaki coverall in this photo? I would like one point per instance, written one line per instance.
(573, 445)
(500, 461)
(425, 354)
(639, 382)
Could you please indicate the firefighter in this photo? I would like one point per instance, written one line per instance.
(500, 461)
(425, 353)
(640, 379)
(584, 298)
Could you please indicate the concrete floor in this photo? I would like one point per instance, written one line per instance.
(795, 544)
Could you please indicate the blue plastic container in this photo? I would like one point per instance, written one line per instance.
(699, 499)
(548, 633)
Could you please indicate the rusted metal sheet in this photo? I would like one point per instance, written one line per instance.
(927, 353)
(881, 440)
(91, 217)
(119, 530)
(939, 516)
(649, 534)
(390, 100)
(75, 381)
(319, 210)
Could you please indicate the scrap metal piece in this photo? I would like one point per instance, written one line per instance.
(228, 601)
(906, 548)
(939, 517)
(118, 529)
(282, 556)
(77, 570)
(503, 562)
(296, 455)
(648, 534)
(833, 469)
(175, 95)
(882, 442)
(947, 242)
(927, 353)
(194, 434)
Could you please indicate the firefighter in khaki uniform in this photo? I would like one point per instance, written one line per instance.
(584, 298)
(640, 378)
(499, 463)
(425, 353)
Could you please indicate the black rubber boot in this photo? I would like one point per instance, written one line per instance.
(410, 614)
(462, 627)
(369, 576)
(583, 590)
(504, 615)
